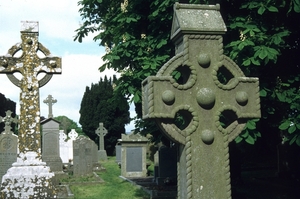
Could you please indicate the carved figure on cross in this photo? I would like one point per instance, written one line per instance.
(101, 132)
(200, 98)
(50, 101)
(8, 119)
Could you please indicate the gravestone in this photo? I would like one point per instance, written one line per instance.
(133, 155)
(72, 136)
(84, 151)
(8, 144)
(118, 152)
(200, 98)
(167, 166)
(50, 150)
(63, 147)
(29, 177)
(101, 132)
(50, 101)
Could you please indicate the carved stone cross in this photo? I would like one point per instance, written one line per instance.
(50, 101)
(200, 96)
(8, 119)
(101, 132)
(29, 64)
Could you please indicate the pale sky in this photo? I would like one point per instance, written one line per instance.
(58, 20)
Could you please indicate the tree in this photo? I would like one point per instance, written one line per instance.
(67, 124)
(101, 104)
(261, 37)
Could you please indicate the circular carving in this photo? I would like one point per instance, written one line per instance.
(206, 98)
(207, 136)
(53, 64)
(168, 97)
(6, 143)
(204, 60)
(241, 98)
(4, 63)
(29, 41)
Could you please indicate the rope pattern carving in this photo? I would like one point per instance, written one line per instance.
(227, 167)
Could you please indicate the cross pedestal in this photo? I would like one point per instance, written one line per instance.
(200, 97)
(50, 101)
(101, 132)
(29, 177)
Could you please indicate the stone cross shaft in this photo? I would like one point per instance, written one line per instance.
(29, 64)
(8, 119)
(101, 132)
(50, 101)
(200, 97)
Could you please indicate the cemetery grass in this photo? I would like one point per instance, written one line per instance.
(113, 186)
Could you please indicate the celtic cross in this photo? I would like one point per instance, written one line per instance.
(29, 64)
(50, 101)
(8, 119)
(200, 96)
(101, 132)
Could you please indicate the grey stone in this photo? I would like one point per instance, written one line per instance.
(51, 149)
(101, 132)
(133, 155)
(200, 98)
(50, 101)
(118, 153)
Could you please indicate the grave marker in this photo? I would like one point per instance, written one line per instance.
(50, 101)
(36, 183)
(101, 132)
(203, 165)
(8, 144)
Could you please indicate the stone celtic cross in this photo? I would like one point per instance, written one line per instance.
(50, 101)
(8, 119)
(200, 97)
(29, 64)
(101, 132)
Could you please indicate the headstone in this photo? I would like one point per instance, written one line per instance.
(50, 150)
(118, 152)
(8, 144)
(101, 132)
(133, 155)
(72, 136)
(63, 147)
(200, 98)
(50, 101)
(37, 181)
(167, 166)
(83, 156)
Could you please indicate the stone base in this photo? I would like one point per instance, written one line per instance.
(29, 177)
(102, 155)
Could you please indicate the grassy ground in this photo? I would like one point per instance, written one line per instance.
(112, 188)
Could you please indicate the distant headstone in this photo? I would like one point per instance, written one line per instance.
(50, 101)
(84, 151)
(133, 155)
(51, 149)
(63, 147)
(8, 144)
(72, 136)
(101, 132)
(118, 153)
(38, 182)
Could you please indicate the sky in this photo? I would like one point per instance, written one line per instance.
(58, 20)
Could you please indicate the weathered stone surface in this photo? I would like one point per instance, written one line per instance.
(29, 177)
(133, 155)
(201, 98)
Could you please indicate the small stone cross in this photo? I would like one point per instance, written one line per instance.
(200, 97)
(101, 132)
(29, 64)
(50, 101)
(8, 119)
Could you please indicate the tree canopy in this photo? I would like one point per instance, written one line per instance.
(262, 38)
(101, 104)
